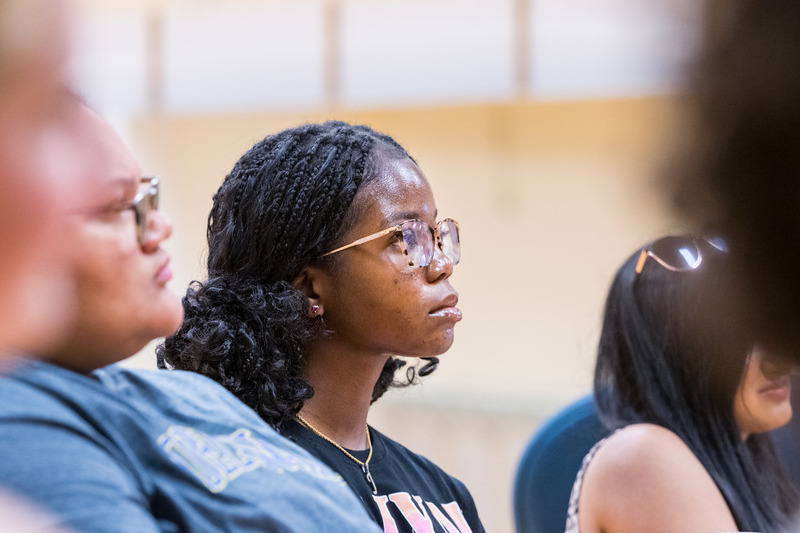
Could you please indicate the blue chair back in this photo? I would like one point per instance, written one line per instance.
(549, 464)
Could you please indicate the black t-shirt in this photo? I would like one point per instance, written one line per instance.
(414, 495)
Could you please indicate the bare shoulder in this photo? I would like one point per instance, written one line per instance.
(647, 449)
(645, 478)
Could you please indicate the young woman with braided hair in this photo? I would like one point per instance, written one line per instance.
(325, 261)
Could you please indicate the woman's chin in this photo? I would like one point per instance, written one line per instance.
(169, 320)
(438, 348)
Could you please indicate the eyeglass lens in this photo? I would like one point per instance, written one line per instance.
(678, 253)
(145, 202)
(418, 238)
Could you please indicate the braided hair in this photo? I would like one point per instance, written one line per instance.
(284, 204)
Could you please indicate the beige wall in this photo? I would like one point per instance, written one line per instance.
(551, 198)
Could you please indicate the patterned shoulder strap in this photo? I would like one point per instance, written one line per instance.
(574, 497)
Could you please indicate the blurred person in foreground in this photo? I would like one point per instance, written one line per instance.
(740, 166)
(44, 161)
(43, 164)
(110, 449)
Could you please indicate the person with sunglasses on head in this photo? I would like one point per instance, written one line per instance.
(688, 406)
(105, 448)
(325, 262)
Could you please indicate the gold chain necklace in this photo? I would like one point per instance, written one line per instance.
(363, 464)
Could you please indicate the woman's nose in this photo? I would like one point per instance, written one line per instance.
(440, 267)
(158, 229)
(774, 367)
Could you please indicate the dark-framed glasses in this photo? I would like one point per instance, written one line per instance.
(678, 253)
(146, 200)
(420, 240)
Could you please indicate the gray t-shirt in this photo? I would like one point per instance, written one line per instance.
(159, 451)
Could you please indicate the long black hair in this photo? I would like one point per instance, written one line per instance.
(285, 203)
(662, 360)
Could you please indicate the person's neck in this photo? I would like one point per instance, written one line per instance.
(71, 357)
(343, 382)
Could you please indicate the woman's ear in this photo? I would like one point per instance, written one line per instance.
(309, 282)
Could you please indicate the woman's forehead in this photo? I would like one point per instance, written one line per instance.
(399, 192)
(120, 185)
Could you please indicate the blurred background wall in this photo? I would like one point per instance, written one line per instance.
(542, 125)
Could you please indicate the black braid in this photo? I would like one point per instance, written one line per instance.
(284, 203)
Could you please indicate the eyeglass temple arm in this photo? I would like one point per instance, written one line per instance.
(640, 262)
(365, 239)
(643, 255)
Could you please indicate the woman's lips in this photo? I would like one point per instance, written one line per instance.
(779, 389)
(447, 308)
(451, 312)
(164, 274)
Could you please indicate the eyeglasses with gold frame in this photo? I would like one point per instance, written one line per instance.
(419, 240)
